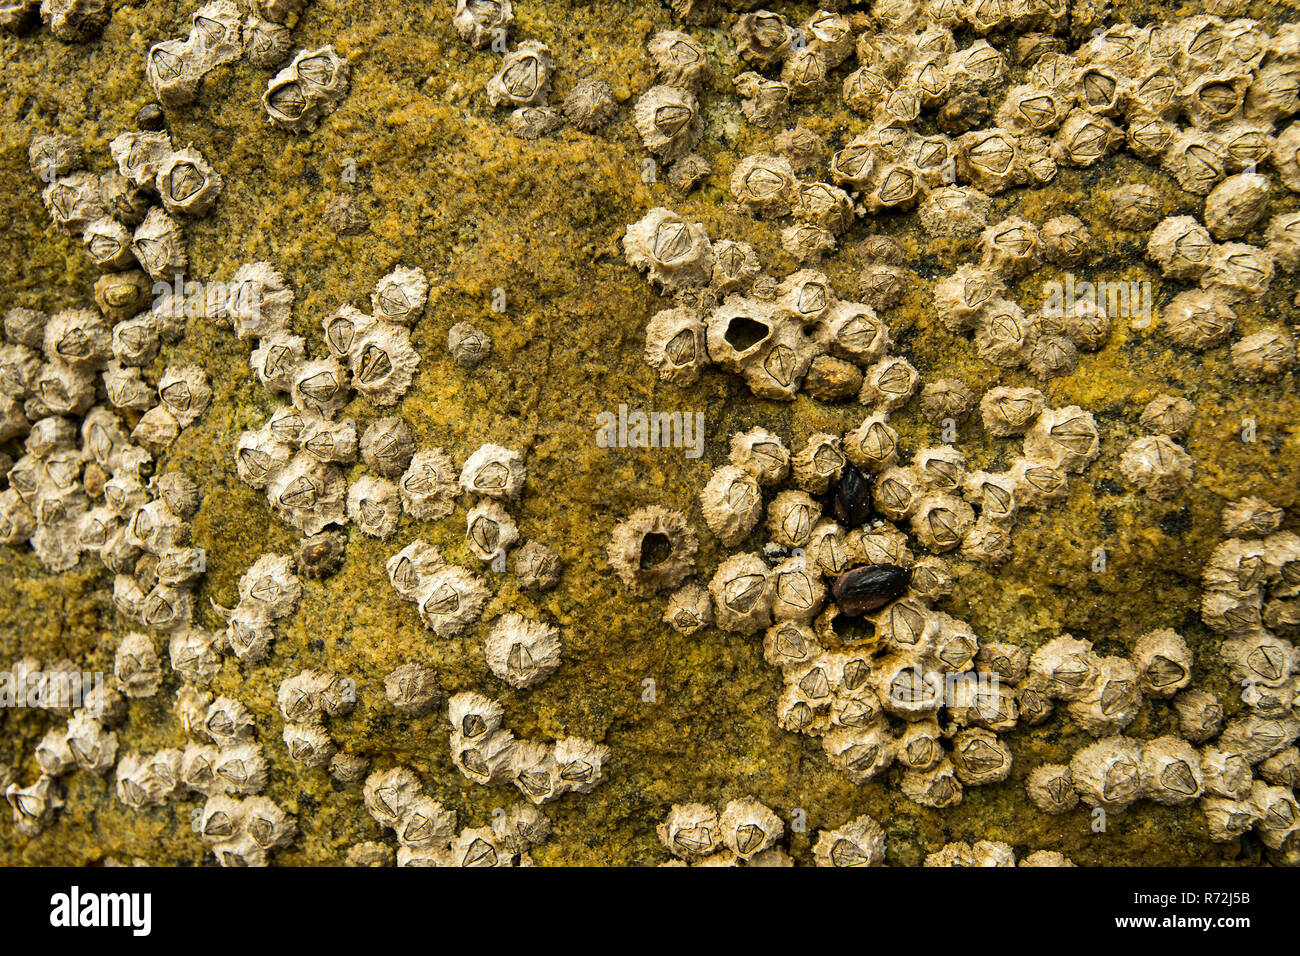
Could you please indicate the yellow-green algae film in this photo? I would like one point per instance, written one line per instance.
(445, 187)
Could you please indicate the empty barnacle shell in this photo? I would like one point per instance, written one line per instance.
(522, 652)
(187, 183)
(373, 506)
(654, 549)
(524, 78)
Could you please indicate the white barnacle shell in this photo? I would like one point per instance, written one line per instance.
(581, 764)
(308, 744)
(308, 494)
(668, 121)
(259, 303)
(524, 78)
(389, 793)
(489, 530)
(412, 689)
(450, 599)
(373, 506)
(494, 472)
(748, 827)
(1108, 773)
(1250, 517)
(136, 785)
(91, 747)
(764, 184)
(522, 652)
(383, 362)
(860, 842)
(1163, 661)
(228, 722)
(319, 386)
(185, 392)
(478, 22)
(674, 345)
(136, 667)
(732, 504)
(187, 183)
(78, 339)
(652, 550)
(159, 245)
(135, 341)
(675, 253)
(400, 296)
(308, 89)
(109, 244)
(34, 806)
(73, 201)
(241, 768)
(259, 457)
(690, 830)
(329, 441)
(270, 587)
(1112, 699)
(222, 818)
(387, 446)
(1064, 437)
(408, 568)
(428, 488)
(742, 594)
(1263, 355)
(979, 757)
(194, 655)
(267, 43)
(1157, 465)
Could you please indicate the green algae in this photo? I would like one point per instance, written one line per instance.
(446, 188)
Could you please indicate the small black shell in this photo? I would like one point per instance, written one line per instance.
(870, 586)
(852, 497)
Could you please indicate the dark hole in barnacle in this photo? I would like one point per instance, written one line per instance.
(744, 333)
(655, 549)
(852, 630)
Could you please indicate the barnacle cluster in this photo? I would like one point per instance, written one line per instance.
(818, 571)
(427, 834)
(491, 755)
(743, 833)
(879, 202)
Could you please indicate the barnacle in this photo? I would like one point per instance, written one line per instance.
(524, 78)
(522, 652)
